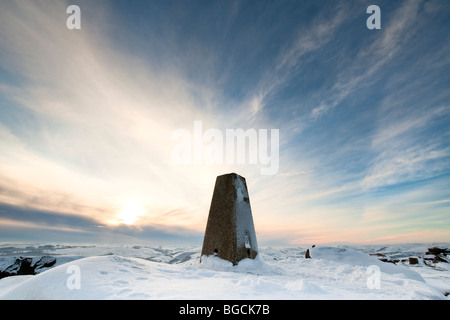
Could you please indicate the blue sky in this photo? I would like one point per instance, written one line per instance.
(87, 117)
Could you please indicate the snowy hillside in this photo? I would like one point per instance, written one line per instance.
(154, 273)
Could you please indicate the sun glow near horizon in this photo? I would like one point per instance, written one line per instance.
(88, 117)
(131, 211)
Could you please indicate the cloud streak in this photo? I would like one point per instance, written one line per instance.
(87, 116)
(102, 129)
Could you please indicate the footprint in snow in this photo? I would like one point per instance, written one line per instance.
(123, 291)
(120, 283)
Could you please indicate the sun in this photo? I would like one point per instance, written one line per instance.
(130, 212)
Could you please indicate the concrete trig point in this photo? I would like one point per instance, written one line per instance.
(230, 233)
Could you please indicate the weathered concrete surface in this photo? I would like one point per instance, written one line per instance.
(230, 233)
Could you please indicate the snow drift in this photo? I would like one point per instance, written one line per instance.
(332, 273)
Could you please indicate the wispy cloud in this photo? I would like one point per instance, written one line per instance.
(103, 118)
(370, 59)
(376, 143)
(290, 61)
(87, 115)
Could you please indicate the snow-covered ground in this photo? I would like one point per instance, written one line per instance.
(144, 272)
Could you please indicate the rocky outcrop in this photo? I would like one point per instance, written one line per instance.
(438, 251)
(382, 257)
(429, 258)
(436, 254)
(307, 254)
(13, 266)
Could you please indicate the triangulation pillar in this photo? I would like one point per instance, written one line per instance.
(230, 233)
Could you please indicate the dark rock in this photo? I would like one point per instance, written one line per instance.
(436, 254)
(439, 258)
(387, 260)
(382, 257)
(27, 266)
(44, 263)
(378, 254)
(413, 260)
(307, 256)
(438, 251)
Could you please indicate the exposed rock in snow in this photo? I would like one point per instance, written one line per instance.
(142, 272)
(11, 266)
(354, 257)
(332, 273)
(307, 254)
(438, 251)
(382, 257)
(436, 254)
(429, 258)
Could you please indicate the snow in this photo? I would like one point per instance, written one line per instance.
(353, 257)
(245, 230)
(176, 273)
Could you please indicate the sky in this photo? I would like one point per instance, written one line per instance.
(88, 116)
